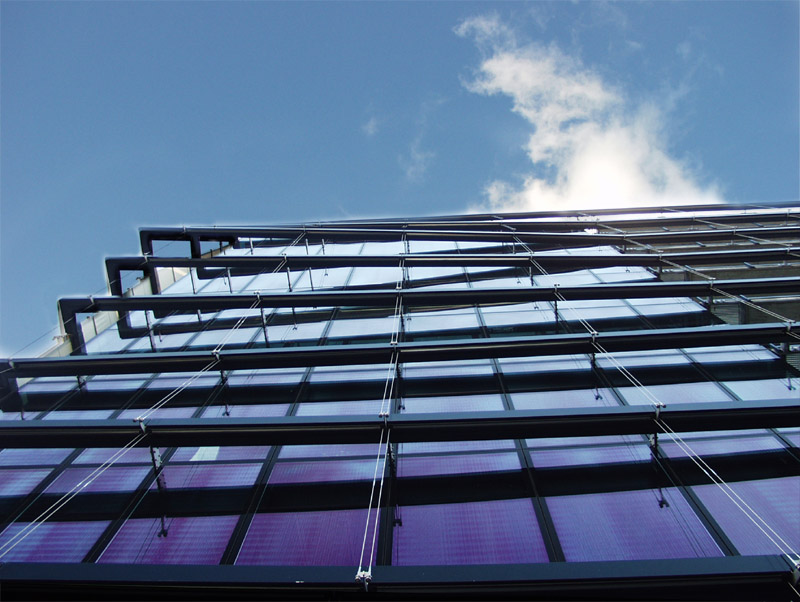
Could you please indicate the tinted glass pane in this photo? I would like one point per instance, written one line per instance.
(213, 475)
(776, 501)
(308, 538)
(580, 398)
(32, 457)
(213, 453)
(20, 481)
(317, 472)
(456, 464)
(189, 540)
(51, 541)
(497, 532)
(629, 525)
(115, 478)
(465, 403)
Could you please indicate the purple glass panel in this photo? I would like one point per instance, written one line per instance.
(134, 413)
(721, 446)
(441, 447)
(331, 538)
(52, 542)
(456, 464)
(629, 525)
(189, 540)
(329, 451)
(774, 500)
(209, 454)
(210, 475)
(497, 532)
(462, 403)
(264, 410)
(115, 478)
(78, 415)
(20, 481)
(99, 455)
(580, 398)
(176, 380)
(320, 472)
(339, 408)
(585, 456)
(32, 457)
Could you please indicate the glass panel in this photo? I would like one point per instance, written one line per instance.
(441, 320)
(441, 447)
(332, 538)
(210, 475)
(265, 410)
(349, 373)
(774, 500)
(329, 451)
(324, 471)
(51, 541)
(461, 403)
(20, 481)
(339, 408)
(579, 398)
(100, 455)
(773, 388)
(78, 415)
(189, 540)
(115, 478)
(496, 532)
(422, 466)
(33, 457)
(224, 453)
(519, 365)
(135, 413)
(444, 369)
(266, 376)
(701, 392)
(609, 526)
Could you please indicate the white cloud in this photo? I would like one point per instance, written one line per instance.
(417, 161)
(589, 147)
(371, 126)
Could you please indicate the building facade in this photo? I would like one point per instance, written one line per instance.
(558, 405)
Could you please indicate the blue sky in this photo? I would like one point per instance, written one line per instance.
(115, 115)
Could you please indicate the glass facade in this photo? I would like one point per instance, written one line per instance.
(482, 391)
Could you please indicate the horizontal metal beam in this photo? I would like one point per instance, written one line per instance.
(460, 426)
(725, 578)
(211, 267)
(69, 306)
(381, 353)
(230, 235)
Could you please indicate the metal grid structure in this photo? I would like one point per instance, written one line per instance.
(563, 405)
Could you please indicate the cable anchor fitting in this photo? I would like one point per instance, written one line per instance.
(364, 578)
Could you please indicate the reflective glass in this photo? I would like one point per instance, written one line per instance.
(609, 526)
(495, 532)
(189, 540)
(775, 501)
(308, 538)
(51, 541)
